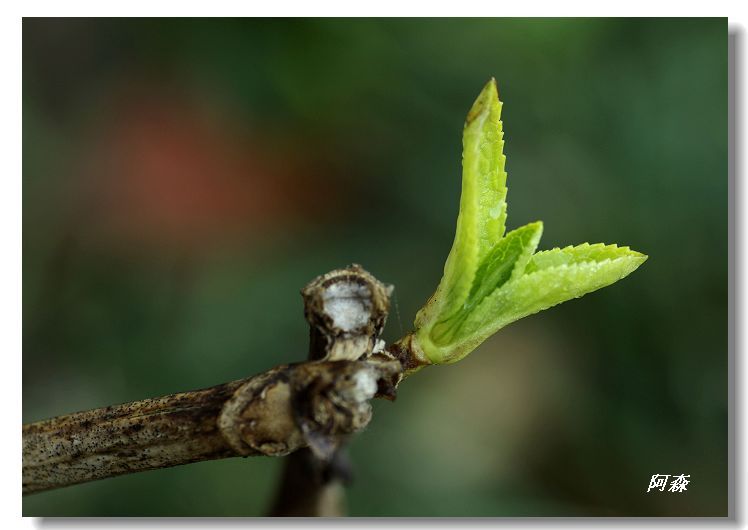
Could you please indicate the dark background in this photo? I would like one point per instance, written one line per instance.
(183, 179)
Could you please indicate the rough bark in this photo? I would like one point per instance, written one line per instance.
(111, 441)
(346, 310)
(315, 404)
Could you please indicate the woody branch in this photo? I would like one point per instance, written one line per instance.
(315, 404)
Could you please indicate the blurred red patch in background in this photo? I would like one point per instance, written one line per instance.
(161, 170)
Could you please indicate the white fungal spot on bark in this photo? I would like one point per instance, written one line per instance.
(348, 305)
(364, 386)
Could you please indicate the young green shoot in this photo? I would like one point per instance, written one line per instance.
(492, 278)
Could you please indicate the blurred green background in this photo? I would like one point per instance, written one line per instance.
(184, 178)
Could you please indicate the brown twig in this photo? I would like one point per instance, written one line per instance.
(316, 403)
(346, 310)
(111, 441)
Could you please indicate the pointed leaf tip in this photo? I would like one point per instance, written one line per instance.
(487, 101)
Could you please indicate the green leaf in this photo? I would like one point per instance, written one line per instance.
(577, 271)
(490, 279)
(481, 221)
(505, 261)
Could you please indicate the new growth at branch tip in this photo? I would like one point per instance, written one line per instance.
(492, 278)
